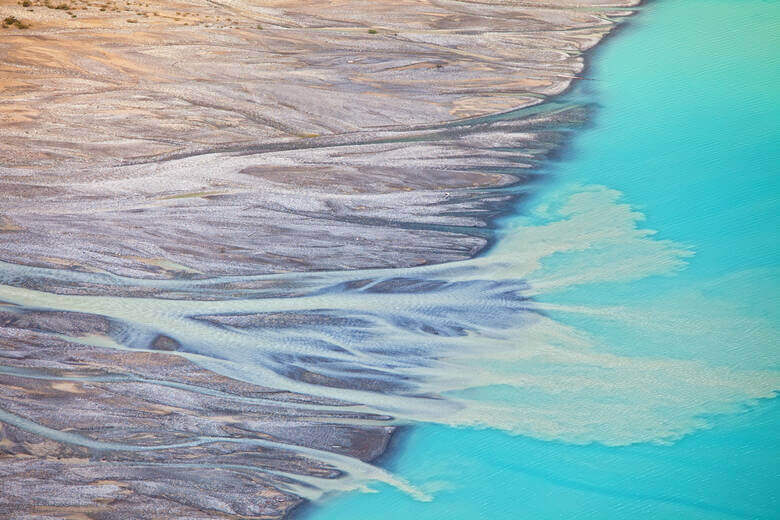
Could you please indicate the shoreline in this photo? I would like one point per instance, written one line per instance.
(563, 151)
(396, 441)
(466, 161)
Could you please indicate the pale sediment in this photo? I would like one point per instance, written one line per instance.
(193, 143)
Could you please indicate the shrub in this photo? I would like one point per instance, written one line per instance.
(8, 21)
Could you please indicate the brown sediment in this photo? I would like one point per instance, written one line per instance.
(193, 139)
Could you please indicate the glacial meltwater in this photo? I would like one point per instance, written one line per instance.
(685, 132)
(611, 356)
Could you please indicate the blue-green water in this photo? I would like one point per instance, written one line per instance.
(612, 356)
(686, 134)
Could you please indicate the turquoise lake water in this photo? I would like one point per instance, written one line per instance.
(686, 134)
(612, 356)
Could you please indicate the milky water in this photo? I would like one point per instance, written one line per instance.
(686, 133)
(612, 356)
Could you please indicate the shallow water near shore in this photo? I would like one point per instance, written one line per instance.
(686, 134)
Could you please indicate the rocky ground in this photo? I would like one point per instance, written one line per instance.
(201, 138)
